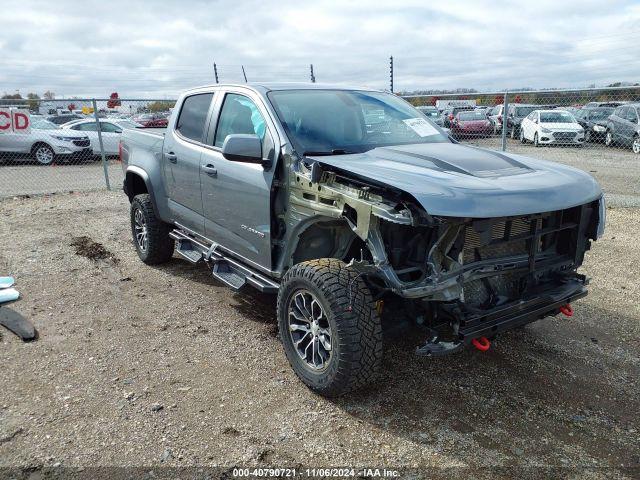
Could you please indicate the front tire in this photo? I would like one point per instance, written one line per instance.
(43, 154)
(150, 234)
(330, 330)
(535, 140)
(635, 146)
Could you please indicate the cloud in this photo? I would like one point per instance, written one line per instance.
(155, 49)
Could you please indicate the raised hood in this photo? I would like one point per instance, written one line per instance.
(456, 180)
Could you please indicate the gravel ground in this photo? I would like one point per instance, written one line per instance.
(163, 366)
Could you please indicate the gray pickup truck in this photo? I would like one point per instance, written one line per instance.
(352, 206)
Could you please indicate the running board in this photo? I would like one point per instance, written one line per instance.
(227, 270)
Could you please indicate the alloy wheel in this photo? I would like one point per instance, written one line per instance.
(608, 140)
(44, 155)
(309, 330)
(636, 145)
(140, 226)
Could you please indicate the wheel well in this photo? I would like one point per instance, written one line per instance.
(135, 185)
(331, 239)
(38, 144)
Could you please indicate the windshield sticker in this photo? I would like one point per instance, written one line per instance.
(421, 127)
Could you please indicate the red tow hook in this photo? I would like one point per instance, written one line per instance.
(482, 343)
(567, 310)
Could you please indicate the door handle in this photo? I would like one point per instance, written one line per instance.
(172, 157)
(210, 170)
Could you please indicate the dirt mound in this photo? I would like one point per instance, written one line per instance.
(86, 247)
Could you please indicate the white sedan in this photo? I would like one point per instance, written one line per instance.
(545, 127)
(111, 132)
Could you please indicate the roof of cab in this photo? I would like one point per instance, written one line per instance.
(270, 86)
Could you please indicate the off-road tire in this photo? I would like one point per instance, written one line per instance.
(159, 245)
(356, 331)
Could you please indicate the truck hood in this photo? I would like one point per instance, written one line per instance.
(450, 179)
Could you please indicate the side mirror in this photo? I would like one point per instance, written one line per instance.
(118, 131)
(241, 147)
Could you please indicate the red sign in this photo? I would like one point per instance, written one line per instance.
(15, 120)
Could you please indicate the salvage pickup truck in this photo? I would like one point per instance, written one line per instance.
(343, 201)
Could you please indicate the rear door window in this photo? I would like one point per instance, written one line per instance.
(193, 116)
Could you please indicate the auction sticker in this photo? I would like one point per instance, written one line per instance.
(421, 126)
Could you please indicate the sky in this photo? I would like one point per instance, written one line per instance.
(155, 49)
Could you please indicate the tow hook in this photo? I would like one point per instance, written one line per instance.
(482, 343)
(567, 310)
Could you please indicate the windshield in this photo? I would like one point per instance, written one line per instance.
(471, 116)
(556, 117)
(600, 114)
(347, 121)
(524, 111)
(42, 124)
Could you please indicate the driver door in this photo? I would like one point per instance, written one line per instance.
(236, 196)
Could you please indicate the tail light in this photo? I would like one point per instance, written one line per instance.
(499, 118)
(451, 116)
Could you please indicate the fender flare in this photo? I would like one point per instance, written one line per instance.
(139, 172)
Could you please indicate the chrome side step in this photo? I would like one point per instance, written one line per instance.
(227, 270)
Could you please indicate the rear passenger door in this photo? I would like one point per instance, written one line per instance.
(236, 196)
(182, 148)
(630, 124)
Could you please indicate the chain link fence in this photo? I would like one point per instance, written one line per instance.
(49, 146)
(570, 123)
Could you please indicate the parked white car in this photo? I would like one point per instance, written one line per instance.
(111, 132)
(545, 127)
(45, 143)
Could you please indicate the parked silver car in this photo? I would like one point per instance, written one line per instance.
(45, 143)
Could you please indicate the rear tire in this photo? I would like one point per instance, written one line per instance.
(336, 295)
(150, 234)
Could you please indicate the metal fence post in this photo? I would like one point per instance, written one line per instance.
(104, 157)
(505, 103)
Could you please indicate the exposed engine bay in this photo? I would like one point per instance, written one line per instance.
(470, 277)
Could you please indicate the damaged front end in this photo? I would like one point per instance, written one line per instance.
(467, 278)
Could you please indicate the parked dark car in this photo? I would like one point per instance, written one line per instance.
(451, 112)
(623, 128)
(471, 124)
(152, 120)
(432, 114)
(518, 111)
(594, 122)
(61, 119)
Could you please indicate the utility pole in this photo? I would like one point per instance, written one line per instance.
(313, 77)
(244, 74)
(215, 72)
(391, 73)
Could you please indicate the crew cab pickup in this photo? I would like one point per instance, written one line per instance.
(349, 204)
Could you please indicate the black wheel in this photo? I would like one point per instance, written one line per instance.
(522, 139)
(535, 140)
(150, 234)
(43, 154)
(330, 330)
